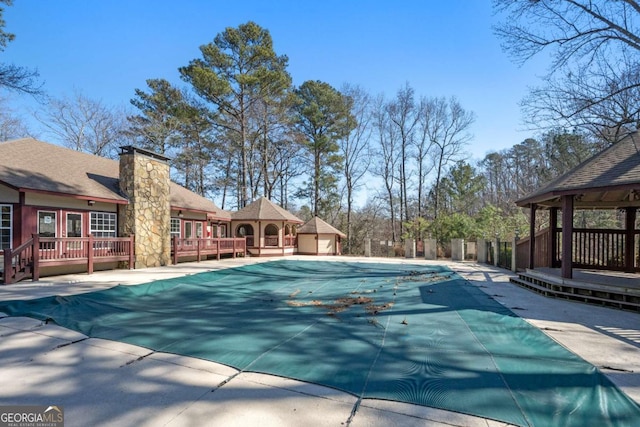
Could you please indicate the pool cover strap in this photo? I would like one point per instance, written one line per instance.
(408, 333)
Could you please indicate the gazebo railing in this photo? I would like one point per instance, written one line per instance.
(592, 248)
(599, 249)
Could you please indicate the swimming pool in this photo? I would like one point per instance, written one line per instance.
(412, 333)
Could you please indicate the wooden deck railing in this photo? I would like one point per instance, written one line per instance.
(202, 248)
(600, 249)
(592, 248)
(26, 260)
(19, 262)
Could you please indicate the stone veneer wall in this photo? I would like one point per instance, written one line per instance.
(144, 179)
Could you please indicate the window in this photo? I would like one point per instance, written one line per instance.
(74, 225)
(199, 230)
(188, 230)
(223, 230)
(6, 212)
(103, 224)
(175, 227)
(47, 226)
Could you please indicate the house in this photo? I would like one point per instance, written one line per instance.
(269, 229)
(316, 237)
(65, 197)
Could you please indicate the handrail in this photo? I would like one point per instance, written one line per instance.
(20, 262)
(202, 247)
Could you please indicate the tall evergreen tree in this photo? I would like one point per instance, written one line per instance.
(237, 70)
(323, 118)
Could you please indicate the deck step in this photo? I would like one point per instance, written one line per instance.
(610, 298)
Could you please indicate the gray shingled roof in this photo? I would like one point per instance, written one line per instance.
(609, 179)
(318, 226)
(29, 164)
(264, 210)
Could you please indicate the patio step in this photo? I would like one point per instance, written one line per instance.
(613, 296)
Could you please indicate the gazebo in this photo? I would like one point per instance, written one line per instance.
(608, 180)
(270, 230)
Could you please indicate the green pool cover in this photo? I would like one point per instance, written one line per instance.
(409, 333)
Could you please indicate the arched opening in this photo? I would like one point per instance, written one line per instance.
(246, 230)
(271, 232)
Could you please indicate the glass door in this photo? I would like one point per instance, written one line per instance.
(47, 227)
(73, 248)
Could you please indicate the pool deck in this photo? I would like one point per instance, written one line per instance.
(100, 382)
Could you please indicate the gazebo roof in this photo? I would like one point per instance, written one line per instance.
(607, 180)
(318, 226)
(264, 210)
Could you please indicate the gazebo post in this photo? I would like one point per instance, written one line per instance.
(629, 241)
(553, 237)
(567, 236)
(532, 235)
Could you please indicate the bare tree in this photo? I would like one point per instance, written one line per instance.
(446, 125)
(386, 166)
(404, 114)
(603, 100)
(595, 50)
(84, 124)
(13, 77)
(355, 150)
(424, 161)
(11, 126)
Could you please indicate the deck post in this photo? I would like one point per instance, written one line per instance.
(567, 236)
(553, 237)
(218, 248)
(532, 236)
(198, 249)
(90, 254)
(175, 250)
(131, 251)
(35, 254)
(234, 247)
(8, 268)
(629, 239)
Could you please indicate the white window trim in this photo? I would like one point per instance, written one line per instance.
(93, 231)
(55, 221)
(66, 225)
(10, 223)
(177, 234)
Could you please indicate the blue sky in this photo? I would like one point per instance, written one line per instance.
(108, 48)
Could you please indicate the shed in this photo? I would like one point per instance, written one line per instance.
(316, 237)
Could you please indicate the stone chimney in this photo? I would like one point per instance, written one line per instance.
(144, 180)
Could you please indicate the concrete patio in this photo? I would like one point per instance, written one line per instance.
(100, 382)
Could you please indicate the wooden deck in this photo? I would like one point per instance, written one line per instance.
(607, 288)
